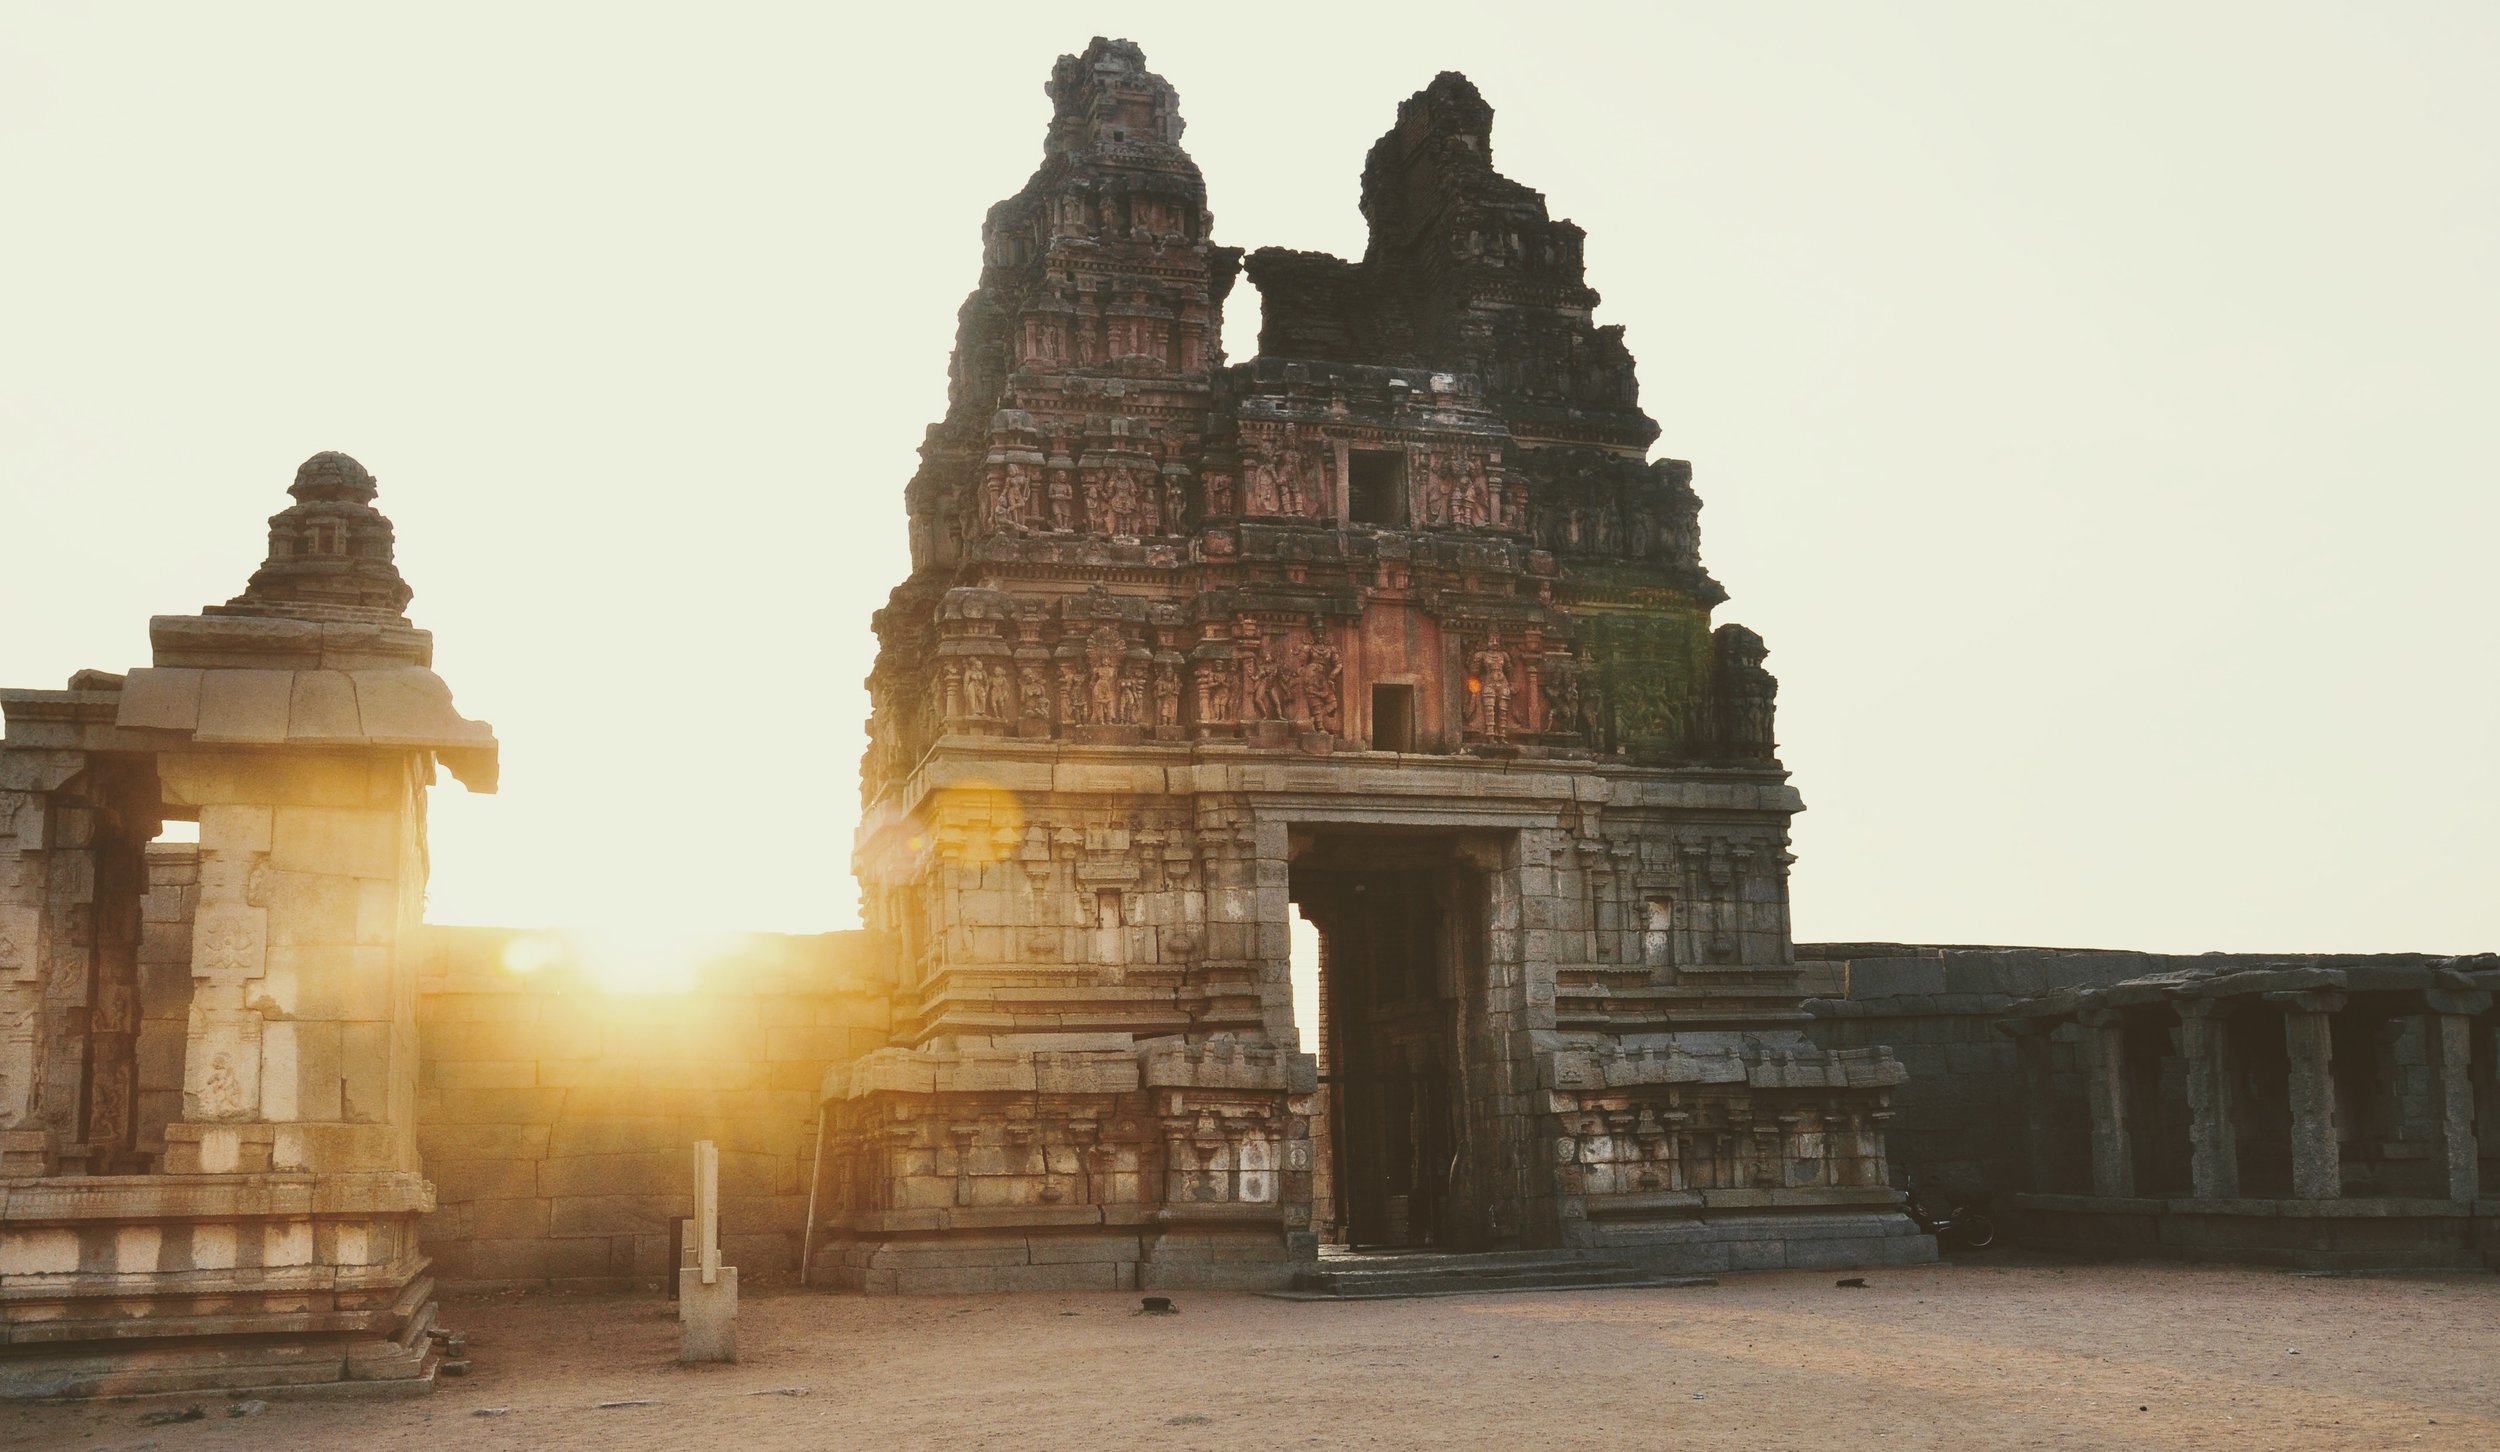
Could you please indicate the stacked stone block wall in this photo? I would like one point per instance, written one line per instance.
(557, 1117)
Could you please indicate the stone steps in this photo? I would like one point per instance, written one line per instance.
(1392, 1276)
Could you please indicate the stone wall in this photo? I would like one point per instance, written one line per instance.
(556, 1119)
(1960, 1120)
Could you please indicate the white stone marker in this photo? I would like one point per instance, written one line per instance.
(707, 1291)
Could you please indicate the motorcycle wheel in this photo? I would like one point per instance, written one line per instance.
(1974, 1230)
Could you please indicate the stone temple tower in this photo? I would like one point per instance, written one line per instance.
(1396, 626)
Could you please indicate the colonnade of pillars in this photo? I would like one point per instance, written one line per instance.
(2317, 1173)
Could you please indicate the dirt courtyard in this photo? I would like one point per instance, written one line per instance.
(1981, 1355)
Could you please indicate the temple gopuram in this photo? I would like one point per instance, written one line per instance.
(1396, 626)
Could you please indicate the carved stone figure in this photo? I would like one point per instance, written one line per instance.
(1062, 502)
(1559, 680)
(1097, 502)
(1034, 691)
(1321, 670)
(1293, 475)
(1002, 705)
(1071, 693)
(1105, 650)
(1261, 470)
(1489, 690)
(1167, 695)
(1440, 485)
(976, 687)
(1132, 699)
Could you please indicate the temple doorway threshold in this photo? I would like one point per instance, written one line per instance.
(1390, 1275)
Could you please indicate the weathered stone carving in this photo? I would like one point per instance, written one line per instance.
(1489, 691)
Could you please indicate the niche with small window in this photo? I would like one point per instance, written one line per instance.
(1376, 486)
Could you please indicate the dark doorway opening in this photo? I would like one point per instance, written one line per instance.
(1376, 487)
(1393, 718)
(1401, 925)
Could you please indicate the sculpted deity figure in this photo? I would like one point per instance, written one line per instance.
(1439, 485)
(222, 1096)
(1062, 495)
(1265, 688)
(1104, 651)
(1002, 694)
(1097, 503)
(1167, 695)
(1292, 474)
(1071, 692)
(1034, 689)
(1132, 699)
(1561, 685)
(1175, 506)
(1215, 693)
(1020, 493)
(1323, 685)
(1219, 493)
(1489, 690)
(1261, 472)
(976, 687)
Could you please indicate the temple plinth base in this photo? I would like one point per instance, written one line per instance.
(271, 1284)
(1160, 1166)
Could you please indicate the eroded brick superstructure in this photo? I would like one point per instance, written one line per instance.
(1396, 623)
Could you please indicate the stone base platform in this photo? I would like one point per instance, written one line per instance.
(1193, 1256)
(266, 1284)
(1808, 1236)
(2355, 1234)
(1345, 1275)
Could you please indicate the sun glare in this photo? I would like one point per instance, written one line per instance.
(645, 958)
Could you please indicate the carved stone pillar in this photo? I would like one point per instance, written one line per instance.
(2105, 1094)
(2213, 1137)
(2452, 1040)
(2317, 1162)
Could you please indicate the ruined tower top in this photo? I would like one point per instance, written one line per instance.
(330, 552)
(1108, 95)
(1447, 127)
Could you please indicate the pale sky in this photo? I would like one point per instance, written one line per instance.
(2093, 405)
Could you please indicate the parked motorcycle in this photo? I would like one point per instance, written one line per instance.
(1958, 1226)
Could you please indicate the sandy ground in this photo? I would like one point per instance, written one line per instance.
(1986, 1354)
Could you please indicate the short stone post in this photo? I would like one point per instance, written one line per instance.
(707, 1291)
(2213, 1139)
(2105, 1093)
(2452, 1048)
(2308, 1039)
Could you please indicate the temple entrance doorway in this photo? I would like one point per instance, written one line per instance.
(1400, 924)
